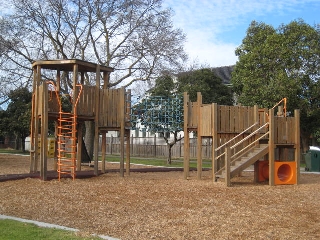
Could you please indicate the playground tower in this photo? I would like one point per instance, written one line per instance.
(109, 109)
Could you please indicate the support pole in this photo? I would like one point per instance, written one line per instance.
(103, 152)
(96, 122)
(227, 167)
(297, 143)
(199, 137)
(122, 130)
(271, 147)
(214, 127)
(186, 158)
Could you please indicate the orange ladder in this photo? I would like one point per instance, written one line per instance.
(67, 138)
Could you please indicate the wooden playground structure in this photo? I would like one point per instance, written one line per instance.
(109, 109)
(240, 136)
(244, 136)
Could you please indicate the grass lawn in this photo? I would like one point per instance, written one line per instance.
(159, 162)
(10, 230)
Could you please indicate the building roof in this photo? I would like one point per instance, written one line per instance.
(224, 73)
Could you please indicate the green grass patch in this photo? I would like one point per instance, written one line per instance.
(13, 151)
(10, 229)
(159, 162)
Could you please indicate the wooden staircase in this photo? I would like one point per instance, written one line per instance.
(240, 152)
(243, 162)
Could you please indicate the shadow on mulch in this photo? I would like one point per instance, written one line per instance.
(86, 174)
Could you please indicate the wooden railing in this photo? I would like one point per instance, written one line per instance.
(240, 146)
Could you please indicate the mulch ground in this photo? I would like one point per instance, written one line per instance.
(162, 205)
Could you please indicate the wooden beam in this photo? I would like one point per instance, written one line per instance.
(271, 147)
(96, 119)
(186, 157)
(199, 137)
(122, 130)
(80, 146)
(103, 152)
(44, 132)
(297, 143)
(128, 152)
(227, 167)
(214, 139)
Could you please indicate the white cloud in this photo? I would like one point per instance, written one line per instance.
(205, 22)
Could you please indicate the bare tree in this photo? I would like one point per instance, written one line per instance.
(135, 37)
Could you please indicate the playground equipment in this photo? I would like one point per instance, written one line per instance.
(109, 109)
(242, 136)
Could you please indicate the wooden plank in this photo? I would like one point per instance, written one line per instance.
(186, 146)
(297, 143)
(232, 119)
(227, 167)
(206, 120)
(122, 131)
(214, 139)
(271, 146)
(199, 138)
(96, 119)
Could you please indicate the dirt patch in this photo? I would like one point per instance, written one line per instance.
(164, 205)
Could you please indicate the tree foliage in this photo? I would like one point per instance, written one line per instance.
(277, 63)
(137, 38)
(160, 114)
(16, 119)
(204, 81)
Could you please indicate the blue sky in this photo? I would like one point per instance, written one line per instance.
(214, 28)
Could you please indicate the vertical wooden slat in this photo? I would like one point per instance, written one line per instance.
(96, 119)
(199, 137)
(227, 167)
(103, 152)
(214, 139)
(122, 131)
(80, 146)
(297, 143)
(186, 119)
(271, 147)
(44, 132)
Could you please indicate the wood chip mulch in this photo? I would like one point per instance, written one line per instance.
(162, 205)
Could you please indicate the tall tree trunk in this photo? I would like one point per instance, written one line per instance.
(23, 144)
(89, 138)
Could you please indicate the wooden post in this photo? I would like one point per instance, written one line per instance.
(256, 119)
(297, 142)
(44, 132)
(122, 130)
(128, 152)
(36, 120)
(186, 157)
(96, 122)
(80, 146)
(199, 137)
(214, 139)
(227, 167)
(103, 152)
(271, 147)
(74, 125)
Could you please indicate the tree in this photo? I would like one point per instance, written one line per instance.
(136, 38)
(277, 63)
(163, 115)
(204, 81)
(16, 119)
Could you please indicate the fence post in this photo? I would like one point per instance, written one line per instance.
(155, 145)
(111, 144)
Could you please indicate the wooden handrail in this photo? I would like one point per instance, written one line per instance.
(218, 148)
(249, 136)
